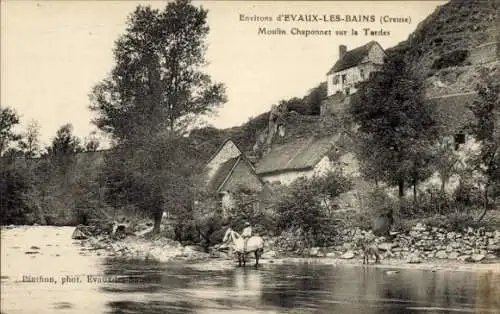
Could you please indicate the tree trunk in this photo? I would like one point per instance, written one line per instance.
(486, 205)
(401, 187)
(443, 185)
(414, 192)
(157, 221)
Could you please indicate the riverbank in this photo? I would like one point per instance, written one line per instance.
(395, 255)
(168, 251)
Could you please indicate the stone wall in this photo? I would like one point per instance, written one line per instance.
(420, 244)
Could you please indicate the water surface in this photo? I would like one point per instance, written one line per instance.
(221, 287)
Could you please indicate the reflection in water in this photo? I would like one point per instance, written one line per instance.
(309, 288)
(216, 287)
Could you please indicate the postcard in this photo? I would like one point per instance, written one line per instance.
(249, 156)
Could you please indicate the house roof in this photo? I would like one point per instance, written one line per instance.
(223, 173)
(301, 154)
(352, 57)
(220, 148)
(237, 147)
(226, 170)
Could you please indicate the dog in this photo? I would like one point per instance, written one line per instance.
(370, 250)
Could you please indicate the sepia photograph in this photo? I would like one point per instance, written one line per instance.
(249, 157)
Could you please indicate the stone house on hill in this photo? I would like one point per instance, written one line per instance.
(354, 66)
(227, 172)
(300, 158)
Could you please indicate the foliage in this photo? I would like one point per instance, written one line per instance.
(155, 90)
(303, 207)
(156, 82)
(315, 97)
(253, 208)
(296, 104)
(8, 119)
(486, 129)
(446, 161)
(154, 176)
(14, 184)
(64, 143)
(91, 142)
(310, 104)
(452, 58)
(396, 126)
(30, 142)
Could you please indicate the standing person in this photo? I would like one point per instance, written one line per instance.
(246, 234)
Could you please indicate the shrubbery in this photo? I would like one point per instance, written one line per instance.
(452, 58)
(14, 184)
(305, 207)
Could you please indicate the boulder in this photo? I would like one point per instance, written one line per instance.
(441, 255)
(79, 233)
(385, 246)
(414, 258)
(464, 258)
(477, 257)
(269, 254)
(347, 255)
(419, 227)
(314, 251)
(453, 255)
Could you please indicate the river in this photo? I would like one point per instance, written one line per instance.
(218, 286)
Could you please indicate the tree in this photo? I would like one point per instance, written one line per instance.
(30, 143)
(446, 162)
(8, 120)
(315, 97)
(486, 129)
(154, 178)
(397, 126)
(91, 142)
(157, 82)
(64, 143)
(304, 206)
(155, 89)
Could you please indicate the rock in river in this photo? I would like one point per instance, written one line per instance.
(478, 257)
(347, 255)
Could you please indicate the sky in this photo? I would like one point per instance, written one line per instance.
(53, 52)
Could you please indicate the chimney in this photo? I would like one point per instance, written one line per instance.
(342, 51)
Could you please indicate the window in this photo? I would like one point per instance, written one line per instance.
(362, 73)
(335, 80)
(344, 78)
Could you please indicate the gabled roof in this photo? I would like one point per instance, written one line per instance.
(223, 173)
(237, 147)
(301, 154)
(220, 148)
(353, 57)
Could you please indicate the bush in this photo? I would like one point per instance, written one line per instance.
(453, 58)
(14, 184)
(305, 207)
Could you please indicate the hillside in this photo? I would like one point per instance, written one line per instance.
(468, 26)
